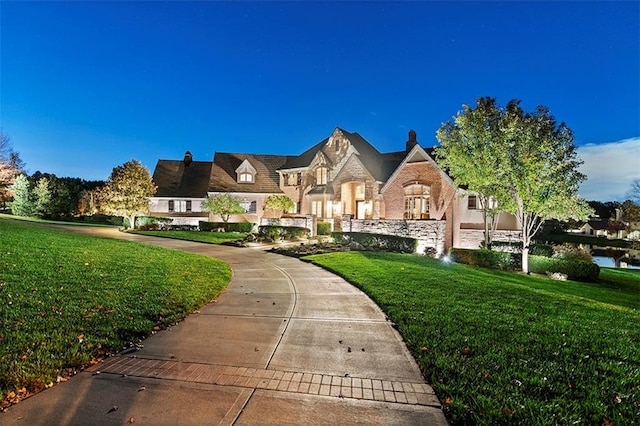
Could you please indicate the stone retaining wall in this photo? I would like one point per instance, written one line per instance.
(472, 238)
(429, 233)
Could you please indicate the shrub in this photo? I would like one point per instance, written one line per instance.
(571, 252)
(577, 270)
(486, 258)
(516, 247)
(323, 228)
(391, 243)
(276, 232)
(227, 226)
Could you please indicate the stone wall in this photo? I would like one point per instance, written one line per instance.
(429, 233)
(472, 238)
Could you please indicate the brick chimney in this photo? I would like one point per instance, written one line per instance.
(412, 141)
(188, 158)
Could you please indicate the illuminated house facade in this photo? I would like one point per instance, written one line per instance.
(342, 180)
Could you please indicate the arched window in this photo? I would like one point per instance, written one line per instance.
(416, 201)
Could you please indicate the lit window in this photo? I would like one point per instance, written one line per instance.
(321, 176)
(316, 208)
(180, 206)
(245, 177)
(292, 179)
(416, 201)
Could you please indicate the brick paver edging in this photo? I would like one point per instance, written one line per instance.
(276, 380)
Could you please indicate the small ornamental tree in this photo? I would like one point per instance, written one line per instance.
(224, 205)
(22, 204)
(10, 167)
(127, 191)
(280, 203)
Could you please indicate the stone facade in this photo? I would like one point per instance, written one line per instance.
(429, 233)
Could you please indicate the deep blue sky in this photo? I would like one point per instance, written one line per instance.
(86, 86)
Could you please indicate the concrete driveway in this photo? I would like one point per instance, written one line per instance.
(286, 343)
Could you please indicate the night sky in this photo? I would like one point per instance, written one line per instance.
(86, 86)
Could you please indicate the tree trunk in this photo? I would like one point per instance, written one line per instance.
(525, 259)
(132, 221)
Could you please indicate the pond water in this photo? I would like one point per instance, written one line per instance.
(607, 262)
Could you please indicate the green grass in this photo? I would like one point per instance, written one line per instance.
(52, 222)
(506, 348)
(202, 237)
(69, 298)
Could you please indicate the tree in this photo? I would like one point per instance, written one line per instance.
(280, 203)
(540, 171)
(634, 192)
(472, 150)
(222, 204)
(42, 198)
(22, 204)
(10, 167)
(526, 162)
(127, 191)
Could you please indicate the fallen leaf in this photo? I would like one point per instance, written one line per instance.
(424, 349)
(131, 420)
(448, 401)
(141, 388)
(114, 408)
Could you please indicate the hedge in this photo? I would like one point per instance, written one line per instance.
(516, 247)
(486, 258)
(577, 270)
(392, 243)
(227, 226)
(277, 232)
(323, 228)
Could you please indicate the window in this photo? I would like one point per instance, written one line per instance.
(179, 206)
(246, 173)
(472, 204)
(321, 176)
(245, 177)
(316, 208)
(416, 201)
(292, 179)
(248, 206)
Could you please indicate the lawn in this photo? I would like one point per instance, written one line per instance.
(502, 347)
(69, 299)
(202, 237)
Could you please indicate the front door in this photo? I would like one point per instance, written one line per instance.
(360, 209)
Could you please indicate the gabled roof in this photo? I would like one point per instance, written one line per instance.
(224, 177)
(379, 165)
(417, 153)
(174, 178)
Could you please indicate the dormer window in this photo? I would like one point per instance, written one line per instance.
(246, 173)
(245, 177)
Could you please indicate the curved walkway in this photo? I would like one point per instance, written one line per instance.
(286, 343)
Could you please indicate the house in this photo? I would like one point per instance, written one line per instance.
(342, 180)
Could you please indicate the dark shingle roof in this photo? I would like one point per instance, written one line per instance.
(224, 178)
(175, 179)
(376, 163)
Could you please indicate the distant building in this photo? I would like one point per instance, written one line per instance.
(342, 180)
